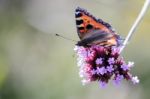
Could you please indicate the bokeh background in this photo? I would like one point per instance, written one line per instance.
(35, 64)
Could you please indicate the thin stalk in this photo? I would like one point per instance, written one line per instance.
(136, 23)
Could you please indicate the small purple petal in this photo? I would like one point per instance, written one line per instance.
(83, 53)
(115, 50)
(102, 84)
(125, 67)
(101, 70)
(76, 48)
(88, 53)
(93, 72)
(118, 79)
(99, 61)
(135, 80)
(81, 73)
(111, 61)
(130, 64)
(110, 68)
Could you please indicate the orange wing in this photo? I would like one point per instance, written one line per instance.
(86, 23)
(94, 31)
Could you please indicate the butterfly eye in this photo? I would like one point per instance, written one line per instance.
(89, 26)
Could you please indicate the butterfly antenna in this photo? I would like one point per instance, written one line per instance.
(65, 38)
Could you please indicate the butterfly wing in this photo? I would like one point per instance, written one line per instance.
(98, 37)
(88, 25)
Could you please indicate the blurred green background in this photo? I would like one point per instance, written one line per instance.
(35, 64)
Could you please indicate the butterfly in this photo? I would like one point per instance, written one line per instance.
(93, 31)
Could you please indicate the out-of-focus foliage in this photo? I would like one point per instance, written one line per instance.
(35, 64)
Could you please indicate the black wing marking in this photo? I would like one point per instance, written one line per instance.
(99, 36)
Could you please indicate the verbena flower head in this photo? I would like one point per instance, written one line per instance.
(100, 63)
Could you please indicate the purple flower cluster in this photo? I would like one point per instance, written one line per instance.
(99, 63)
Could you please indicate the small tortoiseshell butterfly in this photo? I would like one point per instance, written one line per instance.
(94, 31)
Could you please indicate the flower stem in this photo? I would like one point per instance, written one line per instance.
(136, 23)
